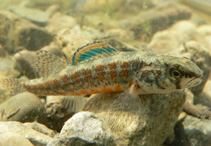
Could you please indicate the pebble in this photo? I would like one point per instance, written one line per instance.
(14, 139)
(198, 131)
(84, 128)
(13, 109)
(34, 15)
(34, 136)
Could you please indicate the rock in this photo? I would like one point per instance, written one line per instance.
(122, 34)
(69, 40)
(40, 128)
(7, 67)
(60, 108)
(25, 64)
(92, 6)
(205, 97)
(25, 59)
(167, 40)
(52, 10)
(19, 32)
(13, 139)
(149, 22)
(198, 131)
(14, 109)
(34, 136)
(137, 120)
(118, 44)
(34, 15)
(204, 30)
(3, 52)
(54, 49)
(83, 128)
(204, 35)
(61, 22)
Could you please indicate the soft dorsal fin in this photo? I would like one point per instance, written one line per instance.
(47, 63)
(92, 50)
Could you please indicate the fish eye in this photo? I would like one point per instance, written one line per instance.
(175, 73)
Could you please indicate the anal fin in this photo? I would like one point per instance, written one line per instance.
(47, 63)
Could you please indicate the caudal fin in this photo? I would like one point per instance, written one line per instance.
(11, 86)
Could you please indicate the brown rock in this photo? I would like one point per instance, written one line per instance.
(14, 109)
(151, 21)
(21, 32)
(7, 67)
(25, 64)
(170, 39)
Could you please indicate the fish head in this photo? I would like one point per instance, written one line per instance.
(168, 74)
(183, 72)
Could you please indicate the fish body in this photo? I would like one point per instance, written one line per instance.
(105, 69)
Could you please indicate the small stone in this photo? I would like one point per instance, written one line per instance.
(40, 128)
(60, 108)
(33, 15)
(69, 40)
(54, 49)
(52, 9)
(198, 131)
(160, 18)
(59, 23)
(14, 139)
(204, 30)
(83, 128)
(166, 41)
(21, 33)
(205, 97)
(7, 67)
(14, 109)
(34, 136)
(25, 64)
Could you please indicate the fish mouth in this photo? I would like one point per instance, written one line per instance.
(194, 81)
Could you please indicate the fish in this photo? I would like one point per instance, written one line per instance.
(98, 67)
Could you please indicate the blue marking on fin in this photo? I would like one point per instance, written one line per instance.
(90, 50)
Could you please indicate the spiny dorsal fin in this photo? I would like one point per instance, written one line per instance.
(11, 86)
(92, 50)
(47, 63)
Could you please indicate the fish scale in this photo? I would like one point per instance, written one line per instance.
(98, 67)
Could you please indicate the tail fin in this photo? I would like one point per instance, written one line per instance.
(11, 86)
